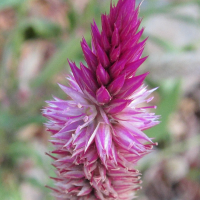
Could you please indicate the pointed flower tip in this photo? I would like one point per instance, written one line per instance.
(103, 77)
(83, 40)
(103, 96)
(146, 74)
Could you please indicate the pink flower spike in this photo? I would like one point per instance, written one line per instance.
(97, 131)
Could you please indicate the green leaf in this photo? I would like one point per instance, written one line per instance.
(153, 7)
(17, 150)
(194, 174)
(34, 182)
(9, 189)
(10, 3)
(164, 44)
(68, 50)
(11, 122)
(186, 19)
(170, 93)
(40, 27)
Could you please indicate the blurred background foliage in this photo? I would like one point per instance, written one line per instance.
(37, 37)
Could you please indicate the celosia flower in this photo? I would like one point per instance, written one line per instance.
(98, 134)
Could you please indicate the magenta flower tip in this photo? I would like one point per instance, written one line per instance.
(98, 134)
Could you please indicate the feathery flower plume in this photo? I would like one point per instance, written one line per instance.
(98, 134)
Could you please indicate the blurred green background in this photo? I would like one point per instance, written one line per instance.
(37, 37)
